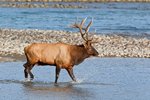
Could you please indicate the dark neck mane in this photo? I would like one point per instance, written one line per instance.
(78, 54)
(81, 45)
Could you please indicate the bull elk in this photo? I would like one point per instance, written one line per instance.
(61, 55)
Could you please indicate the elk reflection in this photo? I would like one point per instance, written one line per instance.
(63, 90)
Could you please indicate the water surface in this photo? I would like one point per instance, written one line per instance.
(127, 18)
(98, 78)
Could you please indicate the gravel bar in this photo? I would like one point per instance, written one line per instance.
(13, 41)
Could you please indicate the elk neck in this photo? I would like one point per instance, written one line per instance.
(82, 51)
(78, 53)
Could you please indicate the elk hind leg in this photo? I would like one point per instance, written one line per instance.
(27, 70)
(30, 73)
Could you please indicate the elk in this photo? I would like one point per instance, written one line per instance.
(61, 55)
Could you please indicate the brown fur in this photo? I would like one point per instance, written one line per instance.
(63, 56)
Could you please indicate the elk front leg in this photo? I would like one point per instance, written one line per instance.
(57, 74)
(70, 72)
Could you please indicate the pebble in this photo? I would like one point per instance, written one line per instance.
(40, 5)
(13, 41)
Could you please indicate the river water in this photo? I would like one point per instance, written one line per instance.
(112, 18)
(98, 79)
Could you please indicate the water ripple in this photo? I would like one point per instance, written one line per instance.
(108, 18)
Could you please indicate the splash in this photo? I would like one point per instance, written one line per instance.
(27, 80)
(79, 81)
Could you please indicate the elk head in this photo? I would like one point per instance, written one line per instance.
(88, 42)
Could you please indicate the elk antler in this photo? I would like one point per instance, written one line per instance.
(80, 26)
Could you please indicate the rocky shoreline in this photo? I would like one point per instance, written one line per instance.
(43, 5)
(76, 0)
(13, 41)
(60, 4)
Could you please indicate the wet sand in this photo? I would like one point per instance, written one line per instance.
(12, 58)
(98, 78)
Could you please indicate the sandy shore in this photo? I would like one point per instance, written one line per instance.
(13, 41)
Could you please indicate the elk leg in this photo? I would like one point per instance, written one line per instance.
(25, 73)
(30, 73)
(70, 72)
(25, 70)
(57, 74)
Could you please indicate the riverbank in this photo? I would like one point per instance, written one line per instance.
(64, 4)
(13, 42)
(43, 5)
(76, 0)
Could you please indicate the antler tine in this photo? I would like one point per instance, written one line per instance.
(80, 26)
(80, 29)
(83, 21)
(87, 28)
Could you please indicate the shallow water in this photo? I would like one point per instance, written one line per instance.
(98, 78)
(128, 18)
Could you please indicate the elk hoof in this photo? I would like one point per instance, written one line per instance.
(56, 84)
(31, 79)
